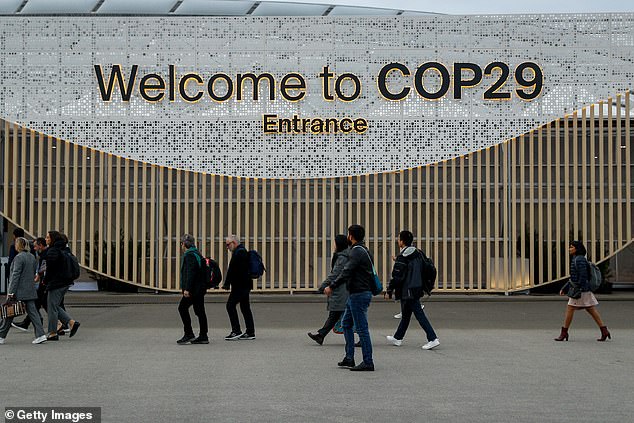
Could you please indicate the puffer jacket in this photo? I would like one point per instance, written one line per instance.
(338, 298)
(579, 277)
(55, 263)
(406, 281)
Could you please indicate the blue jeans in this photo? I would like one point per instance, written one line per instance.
(356, 316)
(407, 308)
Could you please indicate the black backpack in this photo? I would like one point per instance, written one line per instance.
(211, 273)
(256, 266)
(428, 274)
(71, 266)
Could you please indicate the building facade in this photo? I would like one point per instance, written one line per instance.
(495, 139)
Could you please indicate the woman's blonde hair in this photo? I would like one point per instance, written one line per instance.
(21, 244)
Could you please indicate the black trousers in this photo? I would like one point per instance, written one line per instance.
(331, 321)
(198, 301)
(242, 298)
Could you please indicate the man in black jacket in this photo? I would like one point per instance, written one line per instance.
(407, 285)
(193, 288)
(358, 275)
(238, 280)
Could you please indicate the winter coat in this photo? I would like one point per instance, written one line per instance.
(237, 277)
(55, 263)
(22, 277)
(579, 277)
(191, 278)
(406, 281)
(339, 297)
(357, 274)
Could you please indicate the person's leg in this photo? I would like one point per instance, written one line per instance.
(245, 308)
(5, 326)
(406, 316)
(331, 321)
(595, 315)
(31, 310)
(347, 323)
(183, 310)
(424, 322)
(54, 299)
(199, 310)
(62, 315)
(570, 312)
(359, 306)
(232, 302)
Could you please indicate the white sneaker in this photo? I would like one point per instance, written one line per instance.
(39, 339)
(394, 341)
(1, 341)
(431, 344)
(422, 306)
(398, 316)
(15, 325)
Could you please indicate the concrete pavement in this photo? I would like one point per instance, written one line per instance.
(497, 362)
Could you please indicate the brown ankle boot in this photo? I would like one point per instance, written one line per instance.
(563, 336)
(605, 333)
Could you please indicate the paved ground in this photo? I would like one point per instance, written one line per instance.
(496, 363)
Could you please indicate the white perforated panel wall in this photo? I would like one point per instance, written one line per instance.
(47, 83)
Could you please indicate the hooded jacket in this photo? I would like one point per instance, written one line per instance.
(406, 281)
(55, 263)
(337, 301)
(190, 272)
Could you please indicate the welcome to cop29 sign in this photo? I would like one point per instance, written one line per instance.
(394, 82)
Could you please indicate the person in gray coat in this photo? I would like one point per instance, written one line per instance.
(22, 288)
(336, 304)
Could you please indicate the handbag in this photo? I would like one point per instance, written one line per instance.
(11, 309)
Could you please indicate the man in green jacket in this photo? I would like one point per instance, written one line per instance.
(193, 288)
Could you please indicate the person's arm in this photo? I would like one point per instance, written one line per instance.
(229, 275)
(190, 265)
(340, 263)
(349, 268)
(14, 277)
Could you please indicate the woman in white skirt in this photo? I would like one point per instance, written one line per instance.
(578, 291)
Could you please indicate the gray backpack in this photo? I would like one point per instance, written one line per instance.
(594, 276)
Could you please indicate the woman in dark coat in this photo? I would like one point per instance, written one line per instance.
(579, 294)
(336, 303)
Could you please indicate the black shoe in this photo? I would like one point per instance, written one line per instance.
(53, 338)
(363, 367)
(316, 337)
(233, 336)
(246, 337)
(200, 340)
(358, 344)
(347, 362)
(21, 326)
(61, 332)
(73, 330)
(186, 339)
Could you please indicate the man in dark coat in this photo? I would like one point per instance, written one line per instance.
(193, 289)
(407, 285)
(238, 280)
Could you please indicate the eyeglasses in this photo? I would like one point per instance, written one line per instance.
(228, 244)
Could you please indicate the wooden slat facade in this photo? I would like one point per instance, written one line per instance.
(496, 220)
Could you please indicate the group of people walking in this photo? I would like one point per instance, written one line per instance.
(237, 280)
(349, 290)
(39, 277)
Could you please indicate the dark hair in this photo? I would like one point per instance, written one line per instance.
(581, 250)
(407, 237)
(18, 232)
(40, 241)
(341, 242)
(357, 232)
(55, 236)
(63, 238)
